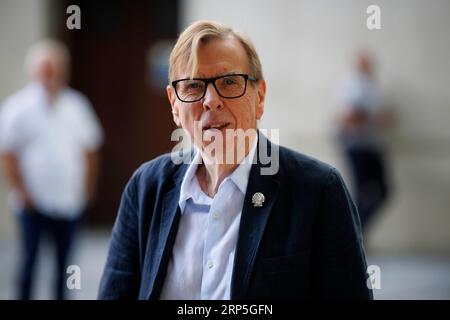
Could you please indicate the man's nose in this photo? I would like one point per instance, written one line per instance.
(212, 99)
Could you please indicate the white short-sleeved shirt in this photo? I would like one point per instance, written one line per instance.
(50, 141)
(359, 92)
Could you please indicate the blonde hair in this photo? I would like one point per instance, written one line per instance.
(185, 51)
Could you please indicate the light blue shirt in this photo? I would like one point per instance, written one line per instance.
(202, 259)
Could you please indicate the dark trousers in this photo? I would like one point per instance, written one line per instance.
(33, 225)
(371, 188)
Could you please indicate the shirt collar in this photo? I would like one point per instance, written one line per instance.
(39, 94)
(190, 187)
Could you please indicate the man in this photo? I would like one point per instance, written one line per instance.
(49, 141)
(361, 120)
(214, 229)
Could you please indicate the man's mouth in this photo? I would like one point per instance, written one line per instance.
(215, 126)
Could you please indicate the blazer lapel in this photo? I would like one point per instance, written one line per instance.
(159, 249)
(252, 225)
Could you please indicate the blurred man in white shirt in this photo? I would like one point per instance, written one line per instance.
(49, 142)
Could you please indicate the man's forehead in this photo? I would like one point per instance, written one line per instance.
(212, 74)
(216, 51)
(217, 72)
(217, 57)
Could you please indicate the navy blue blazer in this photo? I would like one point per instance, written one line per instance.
(304, 242)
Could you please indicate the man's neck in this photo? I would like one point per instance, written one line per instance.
(52, 95)
(51, 92)
(210, 174)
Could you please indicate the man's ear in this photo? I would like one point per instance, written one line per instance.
(172, 99)
(261, 97)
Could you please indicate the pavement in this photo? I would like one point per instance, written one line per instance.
(409, 277)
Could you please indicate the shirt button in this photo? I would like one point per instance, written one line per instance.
(216, 216)
(210, 264)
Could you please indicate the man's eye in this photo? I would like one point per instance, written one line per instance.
(194, 85)
(230, 81)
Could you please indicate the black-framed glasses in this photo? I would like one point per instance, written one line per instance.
(228, 86)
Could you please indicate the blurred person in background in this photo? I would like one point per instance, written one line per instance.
(49, 144)
(362, 118)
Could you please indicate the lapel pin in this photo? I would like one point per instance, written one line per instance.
(258, 199)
